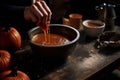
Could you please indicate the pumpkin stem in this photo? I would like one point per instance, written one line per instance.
(7, 27)
(14, 71)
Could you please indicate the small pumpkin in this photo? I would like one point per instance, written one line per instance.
(5, 60)
(10, 38)
(14, 75)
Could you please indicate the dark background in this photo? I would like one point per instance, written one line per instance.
(87, 8)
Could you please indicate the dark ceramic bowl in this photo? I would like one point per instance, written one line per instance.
(57, 52)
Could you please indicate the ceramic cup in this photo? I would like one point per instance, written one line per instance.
(74, 20)
(93, 28)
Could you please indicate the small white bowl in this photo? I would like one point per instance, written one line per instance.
(93, 28)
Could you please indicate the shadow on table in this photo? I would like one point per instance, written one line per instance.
(35, 66)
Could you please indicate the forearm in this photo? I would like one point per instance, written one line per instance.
(23, 11)
(12, 12)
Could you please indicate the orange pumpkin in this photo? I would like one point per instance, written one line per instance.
(5, 60)
(11, 75)
(10, 38)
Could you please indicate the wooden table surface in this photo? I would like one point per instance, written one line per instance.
(82, 63)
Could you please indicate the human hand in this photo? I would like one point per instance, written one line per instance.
(38, 12)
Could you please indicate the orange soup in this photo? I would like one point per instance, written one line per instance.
(93, 24)
(52, 39)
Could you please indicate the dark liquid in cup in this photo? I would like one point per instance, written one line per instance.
(93, 24)
(52, 39)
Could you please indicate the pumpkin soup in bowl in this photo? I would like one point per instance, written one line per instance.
(56, 45)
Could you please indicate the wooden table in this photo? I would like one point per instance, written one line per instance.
(84, 62)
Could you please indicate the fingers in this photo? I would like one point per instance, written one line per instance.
(39, 12)
(47, 10)
(43, 11)
(28, 15)
(33, 17)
